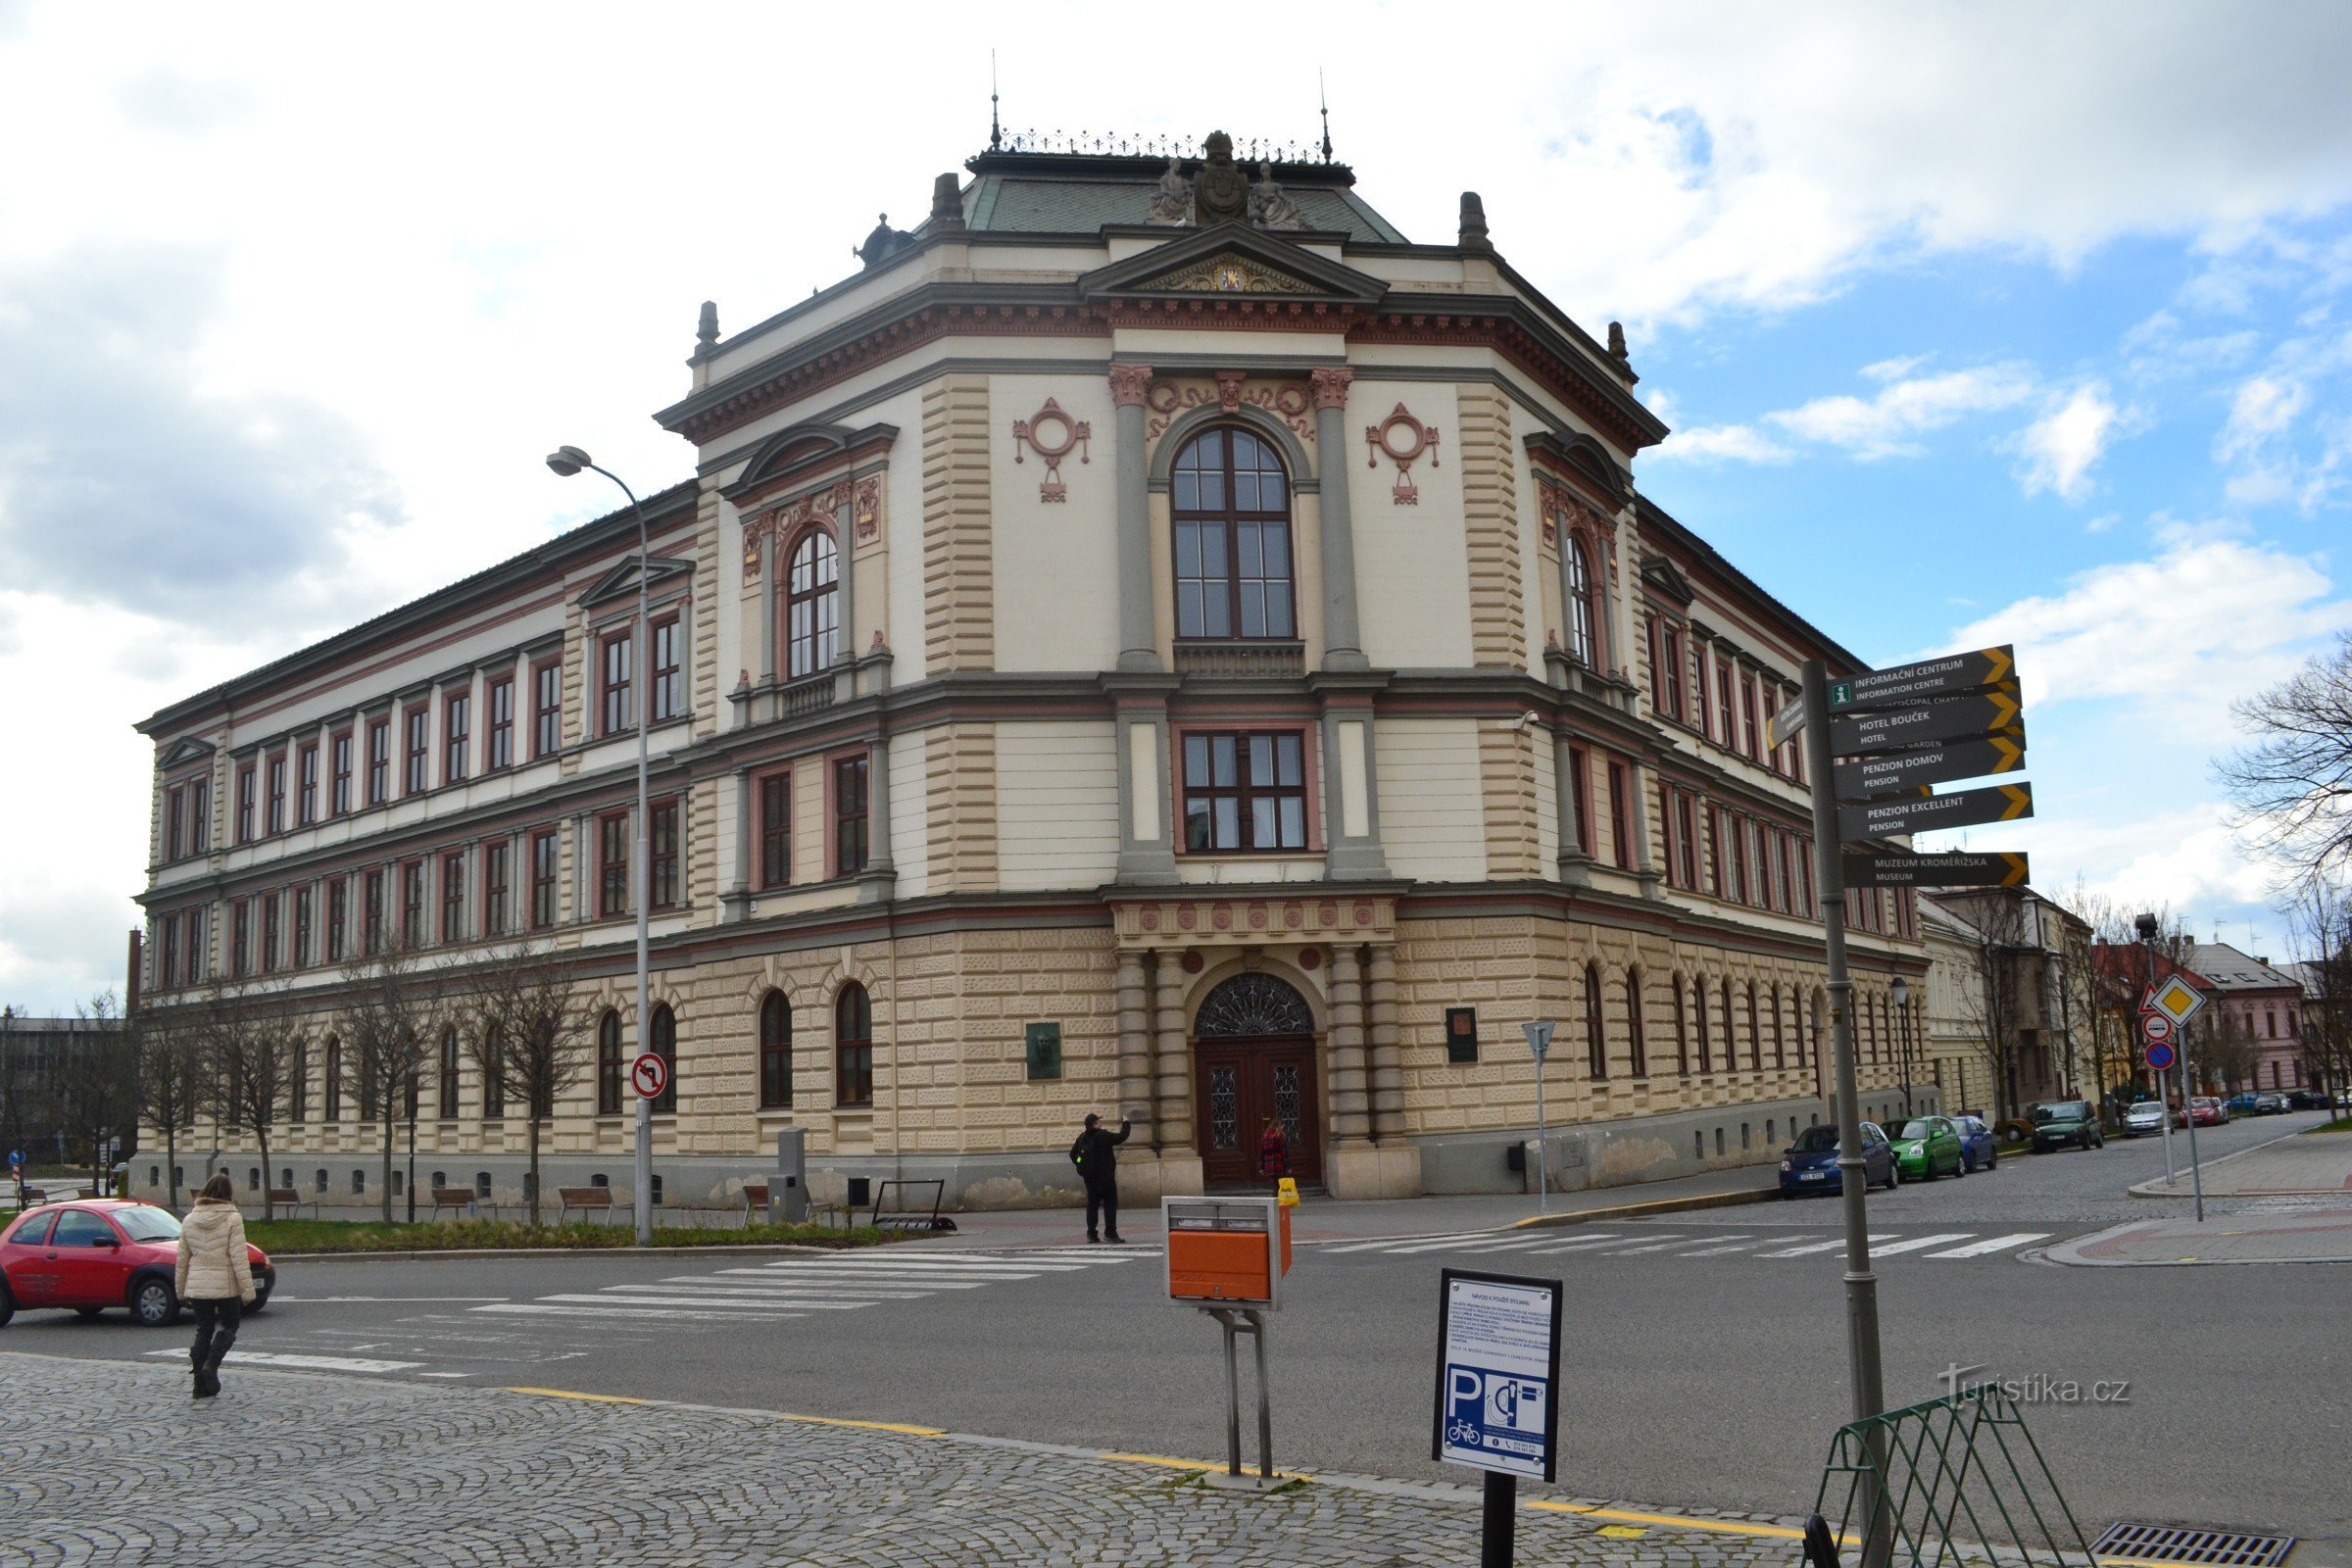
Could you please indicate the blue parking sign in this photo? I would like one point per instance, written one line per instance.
(1498, 1363)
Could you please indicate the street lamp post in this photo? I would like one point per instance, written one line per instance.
(568, 461)
(1901, 991)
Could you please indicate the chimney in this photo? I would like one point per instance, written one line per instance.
(1474, 224)
(946, 204)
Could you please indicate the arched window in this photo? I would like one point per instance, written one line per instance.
(494, 1074)
(812, 606)
(1682, 1030)
(1636, 1046)
(298, 1086)
(334, 1078)
(1731, 1031)
(1583, 639)
(1596, 1041)
(1706, 1046)
(665, 1038)
(1755, 1035)
(1231, 507)
(1779, 1043)
(608, 1064)
(853, 1047)
(776, 1052)
(448, 1072)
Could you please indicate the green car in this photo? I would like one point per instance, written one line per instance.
(1929, 1147)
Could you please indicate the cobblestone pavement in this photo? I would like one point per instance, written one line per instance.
(105, 1462)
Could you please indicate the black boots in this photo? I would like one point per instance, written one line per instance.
(208, 1377)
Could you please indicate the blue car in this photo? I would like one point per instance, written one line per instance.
(1811, 1163)
(1977, 1150)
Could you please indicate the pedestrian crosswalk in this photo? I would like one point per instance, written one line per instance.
(799, 1285)
(1632, 1240)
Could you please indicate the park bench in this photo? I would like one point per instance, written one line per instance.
(461, 1199)
(587, 1200)
(292, 1197)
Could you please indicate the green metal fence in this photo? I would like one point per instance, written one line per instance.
(1952, 1481)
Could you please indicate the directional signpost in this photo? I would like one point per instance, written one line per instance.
(1932, 765)
(1973, 716)
(1911, 814)
(2005, 869)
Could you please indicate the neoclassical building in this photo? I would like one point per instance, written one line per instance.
(1154, 641)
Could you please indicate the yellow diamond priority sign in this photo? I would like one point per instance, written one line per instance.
(2177, 999)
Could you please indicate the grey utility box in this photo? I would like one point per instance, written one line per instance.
(788, 1189)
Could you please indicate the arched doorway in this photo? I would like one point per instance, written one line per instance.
(1254, 1062)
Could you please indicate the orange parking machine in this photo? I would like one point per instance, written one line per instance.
(1227, 1257)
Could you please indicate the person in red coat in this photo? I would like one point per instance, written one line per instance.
(1273, 1154)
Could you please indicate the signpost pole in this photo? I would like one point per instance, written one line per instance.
(2146, 928)
(1543, 1183)
(2196, 1172)
(1861, 1286)
(1497, 1545)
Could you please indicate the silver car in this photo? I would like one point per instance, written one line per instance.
(2146, 1116)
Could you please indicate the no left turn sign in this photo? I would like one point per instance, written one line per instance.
(648, 1075)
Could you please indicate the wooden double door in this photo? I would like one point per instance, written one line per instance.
(1241, 1084)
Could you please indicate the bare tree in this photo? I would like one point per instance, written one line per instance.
(392, 1011)
(1991, 929)
(250, 1041)
(172, 1078)
(2322, 922)
(100, 1098)
(527, 1031)
(2224, 1054)
(24, 1093)
(2293, 785)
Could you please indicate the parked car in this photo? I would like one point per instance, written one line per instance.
(2207, 1111)
(1811, 1163)
(1929, 1147)
(2060, 1122)
(2270, 1105)
(2245, 1103)
(105, 1252)
(2308, 1099)
(1977, 1147)
(2143, 1117)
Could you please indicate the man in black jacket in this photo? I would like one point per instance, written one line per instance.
(1096, 1155)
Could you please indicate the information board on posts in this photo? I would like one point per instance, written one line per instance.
(1498, 1373)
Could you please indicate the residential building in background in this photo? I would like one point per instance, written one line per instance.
(2250, 1035)
(1355, 708)
(2011, 1016)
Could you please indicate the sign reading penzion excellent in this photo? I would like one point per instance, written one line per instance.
(2002, 802)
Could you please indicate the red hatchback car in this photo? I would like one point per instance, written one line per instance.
(100, 1253)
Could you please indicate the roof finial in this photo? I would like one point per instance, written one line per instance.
(706, 330)
(996, 136)
(1324, 98)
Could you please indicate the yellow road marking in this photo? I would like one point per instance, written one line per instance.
(870, 1426)
(1675, 1521)
(1163, 1460)
(1624, 1532)
(568, 1393)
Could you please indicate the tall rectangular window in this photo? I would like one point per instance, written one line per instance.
(175, 824)
(302, 928)
(339, 770)
(1719, 865)
(614, 663)
(1245, 792)
(1579, 795)
(1772, 710)
(200, 815)
(338, 920)
(776, 830)
(1751, 734)
(168, 963)
(246, 786)
(547, 707)
(848, 816)
(412, 904)
(499, 699)
(661, 853)
(456, 738)
(416, 750)
(276, 818)
(270, 933)
(613, 865)
(494, 888)
(1622, 808)
(1706, 700)
(371, 913)
(453, 897)
(380, 760)
(306, 808)
(543, 879)
(1725, 701)
(1685, 839)
(240, 938)
(668, 672)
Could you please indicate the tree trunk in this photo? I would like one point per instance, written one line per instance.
(261, 1135)
(171, 1165)
(534, 1193)
(384, 1190)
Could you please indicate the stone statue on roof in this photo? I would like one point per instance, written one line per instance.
(1269, 206)
(1173, 202)
(1220, 191)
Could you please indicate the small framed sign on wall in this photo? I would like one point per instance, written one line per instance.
(1043, 1042)
(1462, 1035)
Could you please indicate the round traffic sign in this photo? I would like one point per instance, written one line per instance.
(2155, 1028)
(2160, 1056)
(648, 1075)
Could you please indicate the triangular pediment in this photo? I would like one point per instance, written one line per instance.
(1231, 259)
(1666, 578)
(623, 578)
(185, 749)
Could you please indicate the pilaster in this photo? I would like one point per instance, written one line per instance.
(1342, 642)
(1139, 643)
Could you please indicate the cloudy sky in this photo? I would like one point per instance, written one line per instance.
(1999, 322)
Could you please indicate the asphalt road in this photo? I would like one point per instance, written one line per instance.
(1698, 1369)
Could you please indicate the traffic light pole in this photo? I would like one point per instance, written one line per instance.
(1853, 1169)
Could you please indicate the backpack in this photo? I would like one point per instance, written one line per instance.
(1078, 1151)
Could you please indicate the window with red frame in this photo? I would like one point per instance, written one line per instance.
(668, 693)
(380, 760)
(1685, 839)
(811, 607)
(301, 958)
(1231, 520)
(175, 824)
(1666, 668)
(339, 758)
(1579, 795)
(338, 920)
(616, 660)
(276, 814)
(246, 785)
(453, 897)
(776, 830)
(240, 939)
(613, 834)
(661, 853)
(849, 815)
(1707, 695)
(547, 707)
(1583, 618)
(1778, 757)
(853, 1047)
(200, 815)
(776, 1052)
(608, 1064)
(543, 879)
(1751, 734)
(167, 964)
(1727, 702)
(1622, 807)
(456, 738)
(417, 752)
(412, 904)
(1245, 792)
(371, 913)
(494, 888)
(270, 933)
(306, 799)
(498, 700)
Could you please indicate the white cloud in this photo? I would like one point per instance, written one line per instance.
(1894, 369)
(2262, 408)
(1720, 443)
(1882, 427)
(2063, 446)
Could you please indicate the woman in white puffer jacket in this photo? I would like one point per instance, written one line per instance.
(214, 1277)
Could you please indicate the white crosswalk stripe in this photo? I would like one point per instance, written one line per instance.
(1821, 1247)
(1914, 1244)
(1744, 1246)
(1998, 1243)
